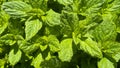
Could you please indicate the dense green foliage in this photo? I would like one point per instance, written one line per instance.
(59, 33)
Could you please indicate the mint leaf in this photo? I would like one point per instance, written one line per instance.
(106, 30)
(92, 6)
(69, 26)
(3, 21)
(2, 63)
(112, 49)
(76, 38)
(66, 51)
(14, 56)
(114, 7)
(28, 47)
(105, 63)
(37, 61)
(43, 47)
(53, 43)
(32, 27)
(52, 18)
(91, 47)
(65, 2)
(16, 9)
(8, 39)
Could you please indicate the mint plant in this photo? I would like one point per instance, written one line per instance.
(59, 34)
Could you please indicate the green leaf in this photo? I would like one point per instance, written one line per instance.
(32, 27)
(14, 56)
(28, 47)
(48, 57)
(76, 38)
(53, 43)
(52, 18)
(91, 47)
(93, 6)
(16, 9)
(71, 5)
(66, 51)
(37, 61)
(37, 12)
(3, 27)
(65, 2)
(114, 7)
(70, 23)
(82, 6)
(43, 47)
(2, 63)
(105, 63)
(3, 21)
(116, 57)
(112, 49)
(8, 39)
(106, 30)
